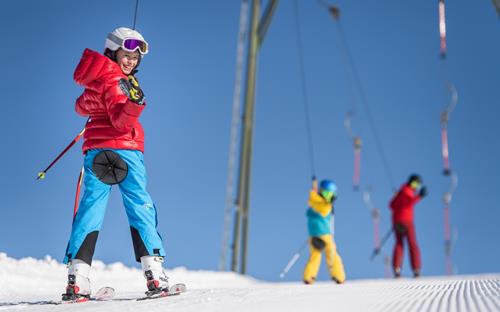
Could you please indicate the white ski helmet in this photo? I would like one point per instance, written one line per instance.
(127, 39)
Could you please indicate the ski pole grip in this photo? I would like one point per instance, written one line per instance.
(314, 183)
(41, 175)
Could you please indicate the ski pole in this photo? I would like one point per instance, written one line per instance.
(77, 194)
(41, 174)
(377, 250)
(294, 259)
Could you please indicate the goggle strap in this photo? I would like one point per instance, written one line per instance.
(115, 39)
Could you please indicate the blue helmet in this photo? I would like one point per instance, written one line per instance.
(329, 186)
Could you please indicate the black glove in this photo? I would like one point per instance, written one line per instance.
(423, 192)
(131, 88)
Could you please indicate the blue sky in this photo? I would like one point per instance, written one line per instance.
(188, 79)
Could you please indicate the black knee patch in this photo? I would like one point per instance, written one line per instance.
(140, 249)
(86, 251)
(109, 167)
(318, 243)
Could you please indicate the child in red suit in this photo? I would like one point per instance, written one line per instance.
(403, 226)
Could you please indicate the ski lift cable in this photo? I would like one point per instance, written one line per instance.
(350, 115)
(449, 86)
(447, 198)
(235, 122)
(305, 98)
(357, 144)
(375, 216)
(335, 12)
(445, 117)
(442, 29)
(447, 222)
(135, 13)
(371, 121)
(348, 123)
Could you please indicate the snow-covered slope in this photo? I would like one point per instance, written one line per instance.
(27, 281)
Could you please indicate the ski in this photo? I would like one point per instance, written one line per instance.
(103, 294)
(173, 290)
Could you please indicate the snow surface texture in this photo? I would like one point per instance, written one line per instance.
(25, 282)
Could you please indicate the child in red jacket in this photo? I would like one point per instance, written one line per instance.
(113, 147)
(403, 226)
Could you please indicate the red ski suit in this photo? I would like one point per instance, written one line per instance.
(402, 221)
(114, 119)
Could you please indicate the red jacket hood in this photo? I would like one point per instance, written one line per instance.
(94, 66)
(114, 121)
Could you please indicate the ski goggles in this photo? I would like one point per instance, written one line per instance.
(130, 44)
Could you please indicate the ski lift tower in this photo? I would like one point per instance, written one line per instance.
(258, 28)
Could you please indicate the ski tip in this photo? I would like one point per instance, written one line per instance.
(177, 288)
(105, 293)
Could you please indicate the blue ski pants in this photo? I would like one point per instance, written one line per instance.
(139, 206)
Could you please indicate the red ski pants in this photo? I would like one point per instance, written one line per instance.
(406, 230)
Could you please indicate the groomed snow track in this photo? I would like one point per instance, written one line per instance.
(227, 292)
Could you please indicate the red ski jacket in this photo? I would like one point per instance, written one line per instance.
(402, 204)
(114, 119)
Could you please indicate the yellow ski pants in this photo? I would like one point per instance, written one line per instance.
(333, 260)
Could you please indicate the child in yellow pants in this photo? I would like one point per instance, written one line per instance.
(321, 240)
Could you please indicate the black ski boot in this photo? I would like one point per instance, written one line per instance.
(416, 273)
(337, 281)
(397, 272)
